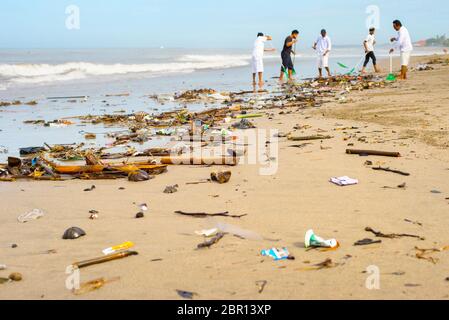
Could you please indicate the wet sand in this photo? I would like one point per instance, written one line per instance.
(410, 117)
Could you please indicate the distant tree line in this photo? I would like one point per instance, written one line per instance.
(438, 41)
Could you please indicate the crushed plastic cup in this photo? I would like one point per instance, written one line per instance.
(312, 240)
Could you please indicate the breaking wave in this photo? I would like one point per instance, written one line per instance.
(44, 73)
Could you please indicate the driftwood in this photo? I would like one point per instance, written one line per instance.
(204, 215)
(111, 257)
(366, 242)
(231, 161)
(308, 138)
(392, 235)
(391, 170)
(373, 153)
(212, 241)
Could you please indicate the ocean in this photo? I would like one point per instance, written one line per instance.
(38, 74)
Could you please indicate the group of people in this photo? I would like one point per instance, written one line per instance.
(323, 47)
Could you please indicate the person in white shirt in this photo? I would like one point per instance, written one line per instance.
(257, 57)
(323, 46)
(405, 46)
(369, 44)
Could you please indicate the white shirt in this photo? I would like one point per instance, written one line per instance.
(323, 44)
(370, 39)
(404, 42)
(259, 47)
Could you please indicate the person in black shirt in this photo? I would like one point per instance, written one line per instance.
(287, 63)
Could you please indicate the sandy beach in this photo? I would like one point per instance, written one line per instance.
(410, 117)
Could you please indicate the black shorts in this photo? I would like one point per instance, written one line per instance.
(287, 62)
(370, 55)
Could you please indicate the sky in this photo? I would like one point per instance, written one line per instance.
(208, 23)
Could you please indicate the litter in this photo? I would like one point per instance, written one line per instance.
(29, 216)
(143, 207)
(366, 242)
(212, 241)
(204, 215)
(111, 257)
(238, 232)
(277, 254)
(171, 189)
(261, 285)
(140, 215)
(243, 124)
(3, 267)
(92, 188)
(230, 161)
(221, 177)
(93, 285)
(414, 222)
(15, 276)
(373, 153)
(186, 294)
(308, 138)
(138, 176)
(344, 181)
(73, 233)
(311, 240)
(207, 233)
(392, 235)
(124, 246)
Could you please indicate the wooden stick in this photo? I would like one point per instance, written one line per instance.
(204, 215)
(391, 170)
(307, 138)
(392, 235)
(211, 242)
(121, 255)
(373, 153)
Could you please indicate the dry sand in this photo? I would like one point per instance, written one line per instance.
(411, 117)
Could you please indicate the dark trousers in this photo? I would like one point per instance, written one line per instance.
(372, 56)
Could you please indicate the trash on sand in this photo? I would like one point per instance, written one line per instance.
(29, 216)
(414, 222)
(436, 192)
(124, 246)
(93, 285)
(90, 136)
(261, 285)
(373, 153)
(15, 276)
(93, 215)
(73, 233)
(212, 241)
(3, 267)
(90, 189)
(366, 242)
(204, 215)
(311, 240)
(171, 189)
(140, 215)
(243, 125)
(221, 177)
(237, 231)
(207, 233)
(138, 176)
(423, 253)
(392, 235)
(277, 254)
(143, 207)
(344, 181)
(111, 257)
(186, 294)
(391, 170)
(308, 138)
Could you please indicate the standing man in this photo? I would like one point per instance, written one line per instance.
(369, 44)
(323, 46)
(286, 55)
(257, 58)
(404, 43)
